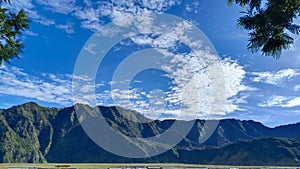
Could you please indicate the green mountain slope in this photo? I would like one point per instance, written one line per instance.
(267, 151)
(264, 151)
(31, 133)
(26, 133)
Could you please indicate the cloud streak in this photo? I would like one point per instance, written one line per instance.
(92, 15)
(275, 78)
(30, 9)
(281, 101)
(48, 87)
(68, 27)
(297, 88)
(154, 103)
(58, 6)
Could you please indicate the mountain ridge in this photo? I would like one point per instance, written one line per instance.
(247, 120)
(32, 133)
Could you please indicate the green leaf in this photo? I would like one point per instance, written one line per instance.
(11, 26)
(268, 25)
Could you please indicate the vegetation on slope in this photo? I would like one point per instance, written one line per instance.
(31, 133)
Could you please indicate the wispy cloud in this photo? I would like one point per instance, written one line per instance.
(294, 102)
(122, 13)
(30, 9)
(191, 65)
(234, 81)
(275, 78)
(44, 21)
(68, 27)
(30, 33)
(89, 17)
(193, 7)
(281, 101)
(17, 5)
(297, 88)
(192, 71)
(274, 101)
(48, 87)
(58, 6)
(196, 92)
(92, 15)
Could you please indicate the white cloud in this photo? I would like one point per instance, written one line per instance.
(274, 101)
(193, 73)
(294, 102)
(275, 78)
(159, 5)
(297, 88)
(121, 12)
(29, 8)
(91, 48)
(59, 6)
(93, 15)
(30, 33)
(281, 101)
(193, 7)
(44, 21)
(17, 5)
(89, 14)
(85, 78)
(234, 75)
(186, 67)
(90, 18)
(190, 98)
(49, 88)
(118, 94)
(68, 27)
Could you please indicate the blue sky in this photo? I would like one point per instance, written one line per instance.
(256, 87)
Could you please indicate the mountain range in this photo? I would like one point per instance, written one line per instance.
(35, 134)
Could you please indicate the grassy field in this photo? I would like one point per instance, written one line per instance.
(112, 165)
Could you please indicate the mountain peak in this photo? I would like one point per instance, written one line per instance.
(31, 104)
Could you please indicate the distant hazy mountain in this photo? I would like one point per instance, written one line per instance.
(31, 133)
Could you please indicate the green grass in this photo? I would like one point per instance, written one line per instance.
(108, 165)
